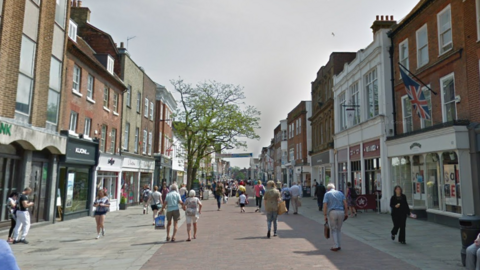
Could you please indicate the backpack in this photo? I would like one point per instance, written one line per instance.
(262, 190)
(287, 194)
(146, 195)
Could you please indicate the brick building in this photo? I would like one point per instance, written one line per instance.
(32, 48)
(322, 120)
(281, 149)
(299, 141)
(431, 159)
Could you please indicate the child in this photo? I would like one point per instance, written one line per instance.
(243, 201)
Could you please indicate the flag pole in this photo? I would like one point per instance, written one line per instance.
(428, 87)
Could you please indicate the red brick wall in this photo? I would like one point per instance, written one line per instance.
(472, 54)
(298, 113)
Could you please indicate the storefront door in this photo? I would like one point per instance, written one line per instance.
(38, 183)
(7, 169)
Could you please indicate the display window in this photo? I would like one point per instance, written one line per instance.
(75, 181)
(342, 176)
(108, 182)
(356, 167)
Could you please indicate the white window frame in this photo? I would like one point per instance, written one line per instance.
(110, 64)
(115, 102)
(72, 30)
(103, 138)
(126, 135)
(440, 46)
(113, 140)
(137, 134)
(73, 121)
(150, 143)
(419, 63)
(367, 84)
(77, 78)
(144, 142)
(106, 96)
(129, 96)
(355, 92)
(406, 128)
(151, 111)
(90, 86)
(426, 93)
(404, 59)
(145, 108)
(87, 127)
(444, 113)
(139, 102)
(342, 100)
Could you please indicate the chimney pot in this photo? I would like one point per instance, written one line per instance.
(121, 45)
(79, 3)
(74, 3)
(381, 17)
(391, 17)
(378, 17)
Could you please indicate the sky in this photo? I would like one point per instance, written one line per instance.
(273, 48)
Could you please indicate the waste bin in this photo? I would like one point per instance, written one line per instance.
(469, 229)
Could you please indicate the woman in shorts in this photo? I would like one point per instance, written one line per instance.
(155, 202)
(193, 209)
(102, 206)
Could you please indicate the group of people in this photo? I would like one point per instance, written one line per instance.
(18, 205)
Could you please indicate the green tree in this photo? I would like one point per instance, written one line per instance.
(212, 117)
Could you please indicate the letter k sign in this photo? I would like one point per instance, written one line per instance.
(5, 129)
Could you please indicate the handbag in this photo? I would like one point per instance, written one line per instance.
(160, 222)
(282, 208)
(326, 230)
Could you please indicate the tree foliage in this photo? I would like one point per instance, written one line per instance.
(212, 117)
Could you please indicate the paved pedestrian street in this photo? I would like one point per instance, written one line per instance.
(228, 239)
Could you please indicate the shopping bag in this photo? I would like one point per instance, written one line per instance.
(160, 222)
(282, 208)
(299, 203)
(326, 230)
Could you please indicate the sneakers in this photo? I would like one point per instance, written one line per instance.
(256, 210)
(274, 234)
(393, 236)
(144, 209)
(26, 242)
(98, 236)
(103, 232)
(268, 234)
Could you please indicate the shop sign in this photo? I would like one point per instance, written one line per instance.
(147, 165)
(5, 129)
(81, 152)
(342, 155)
(131, 163)
(415, 147)
(320, 159)
(371, 149)
(354, 152)
(367, 201)
(109, 163)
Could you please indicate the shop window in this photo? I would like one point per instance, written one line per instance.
(373, 176)
(356, 168)
(451, 183)
(342, 176)
(445, 30)
(129, 188)
(407, 114)
(7, 179)
(432, 180)
(401, 176)
(75, 187)
(371, 85)
(449, 107)
(108, 182)
(418, 181)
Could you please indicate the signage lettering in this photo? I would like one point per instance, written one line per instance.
(415, 145)
(82, 151)
(5, 129)
(111, 161)
(371, 148)
(354, 152)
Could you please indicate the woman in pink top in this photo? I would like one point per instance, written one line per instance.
(259, 190)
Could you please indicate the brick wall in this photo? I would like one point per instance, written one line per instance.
(299, 112)
(472, 54)
(149, 91)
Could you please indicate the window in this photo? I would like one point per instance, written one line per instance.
(145, 108)
(372, 93)
(60, 12)
(428, 96)
(150, 143)
(129, 96)
(160, 140)
(407, 114)
(88, 126)
(300, 149)
(115, 102)
(449, 109)
(72, 31)
(135, 147)
(113, 140)
(25, 78)
(125, 137)
(105, 97)
(110, 64)
(297, 152)
(103, 138)
(478, 18)
(341, 109)
(422, 46)
(300, 126)
(139, 104)
(403, 53)
(90, 83)
(55, 82)
(151, 111)
(73, 121)
(144, 142)
(292, 154)
(354, 89)
(76, 78)
(444, 19)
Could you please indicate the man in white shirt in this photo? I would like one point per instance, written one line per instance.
(296, 194)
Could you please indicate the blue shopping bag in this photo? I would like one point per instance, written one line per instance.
(160, 222)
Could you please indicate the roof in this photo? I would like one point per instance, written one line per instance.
(418, 7)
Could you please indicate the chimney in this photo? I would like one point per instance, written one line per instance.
(385, 22)
(122, 45)
(79, 14)
(74, 3)
(79, 3)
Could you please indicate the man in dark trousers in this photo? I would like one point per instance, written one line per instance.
(320, 193)
(314, 189)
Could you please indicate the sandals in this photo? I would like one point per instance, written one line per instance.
(173, 239)
(168, 239)
(188, 240)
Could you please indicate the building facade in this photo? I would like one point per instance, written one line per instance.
(364, 116)
(32, 55)
(322, 120)
(434, 159)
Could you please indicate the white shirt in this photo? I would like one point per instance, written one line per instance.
(243, 198)
(183, 191)
(295, 191)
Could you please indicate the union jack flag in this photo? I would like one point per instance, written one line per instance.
(415, 93)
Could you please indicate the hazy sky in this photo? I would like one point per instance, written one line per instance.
(273, 48)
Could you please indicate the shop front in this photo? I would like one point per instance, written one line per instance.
(434, 171)
(76, 178)
(322, 163)
(108, 174)
(373, 173)
(356, 167)
(147, 168)
(166, 170)
(129, 186)
(342, 168)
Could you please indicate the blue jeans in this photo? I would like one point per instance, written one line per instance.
(272, 216)
(219, 201)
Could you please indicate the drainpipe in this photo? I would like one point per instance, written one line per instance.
(392, 79)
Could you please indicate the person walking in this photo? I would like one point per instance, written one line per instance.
(183, 192)
(286, 196)
(23, 217)
(296, 194)
(12, 207)
(145, 197)
(351, 199)
(314, 189)
(219, 195)
(193, 209)
(335, 212)
(155, 202)
(164, 191)
(259, 191)
(320, 194)
(472, 261)
(400, 212)
(102, 205)
(172, 200)
(242, 201)
(272, 198)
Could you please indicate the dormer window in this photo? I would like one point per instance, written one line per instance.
(110, 63)
(72, 31)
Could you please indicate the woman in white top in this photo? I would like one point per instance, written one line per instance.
(12, 205)
(193, 209)
(102, 206)
(155, 202)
